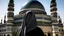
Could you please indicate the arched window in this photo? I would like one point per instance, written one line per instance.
(4, 35)
(44, 35)
(49, 34)
(8, 35)
(56, 34)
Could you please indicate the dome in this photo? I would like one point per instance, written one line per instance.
(34, 4)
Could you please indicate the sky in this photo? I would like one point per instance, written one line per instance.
(20, 3)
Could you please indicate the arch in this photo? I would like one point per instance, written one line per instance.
(45, 35)
(4, 35)
(8, 35)
(49, 34)
(56, 34)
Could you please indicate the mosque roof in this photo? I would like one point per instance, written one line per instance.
(33, 4)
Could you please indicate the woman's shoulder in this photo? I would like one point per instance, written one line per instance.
(37, 31)
(37, 28)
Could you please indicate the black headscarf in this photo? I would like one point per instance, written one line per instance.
(29, 23)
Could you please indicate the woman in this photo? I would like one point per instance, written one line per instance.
(29, 27)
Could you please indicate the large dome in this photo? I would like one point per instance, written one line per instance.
(34, 4)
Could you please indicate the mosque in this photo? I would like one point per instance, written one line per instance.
(51, 25)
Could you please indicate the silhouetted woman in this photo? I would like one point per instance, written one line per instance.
(29, 27)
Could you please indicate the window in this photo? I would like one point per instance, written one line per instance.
(39, 17)
(47, 22)
(39, 22)
(56, 34)
(8, 35)
(18, 18)
(4, 35)
(17, 22)
(62, 30)
(49, 34)
(0, 30)
(47, 18)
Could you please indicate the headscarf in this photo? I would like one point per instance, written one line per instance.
(29, 23)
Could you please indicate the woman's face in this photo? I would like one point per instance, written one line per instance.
(28, 18)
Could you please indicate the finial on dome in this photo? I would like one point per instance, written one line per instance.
(33, 0)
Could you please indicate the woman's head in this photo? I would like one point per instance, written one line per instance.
(29, 21)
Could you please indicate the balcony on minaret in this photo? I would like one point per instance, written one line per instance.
(54, 14)
(53, 9)
(10, 21)
(10, 9)
(52, 4)
(11, 4)
(10, 14)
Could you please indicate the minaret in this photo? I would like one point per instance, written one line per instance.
(53, 10)
(59, 19)
(60, 24)
(10, 18)
(54, 17)
(1, 21)
(10, 13)
(4, 19)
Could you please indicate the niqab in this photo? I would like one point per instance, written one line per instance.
(29, 23)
